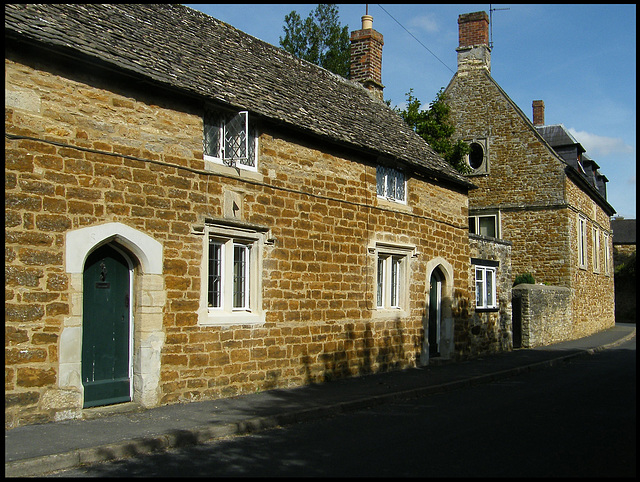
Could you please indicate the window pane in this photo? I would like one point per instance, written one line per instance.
(472, 225)
(380, 180)
(215, 273)
(212, 134)
(395, 280)
(251, 155)
(489, 284)
(399, 193)
(240, 277)
(391, 183)
(487, 226)
(380, 282)
(235, 137)
(479, 288)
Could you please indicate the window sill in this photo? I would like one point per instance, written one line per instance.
(240, 172)
(389, 313)
(395, 205)
(488, 310)
(229, 319)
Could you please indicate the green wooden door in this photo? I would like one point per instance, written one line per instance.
(105, 328)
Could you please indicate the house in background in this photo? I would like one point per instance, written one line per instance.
(192, 213)
(546, 198)
(624, 261)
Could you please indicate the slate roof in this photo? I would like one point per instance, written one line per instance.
(624, 231)
(557, 135)
(184, 49)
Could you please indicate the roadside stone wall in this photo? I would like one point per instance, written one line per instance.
(540, 314)
(83, 149)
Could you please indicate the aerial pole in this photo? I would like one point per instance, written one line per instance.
(491, 10)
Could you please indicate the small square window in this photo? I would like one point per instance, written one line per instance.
(390, 184)
(229, 140)
(486, 225)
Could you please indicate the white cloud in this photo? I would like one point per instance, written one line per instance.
(426, 23)
(599, 145)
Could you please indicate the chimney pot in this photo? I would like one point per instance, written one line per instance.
(366, 57)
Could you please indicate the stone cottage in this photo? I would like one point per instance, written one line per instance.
(545, 198)
(192, 213)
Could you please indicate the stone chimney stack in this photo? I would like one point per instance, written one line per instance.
(538, 113)
(366, 57)
(473, 35)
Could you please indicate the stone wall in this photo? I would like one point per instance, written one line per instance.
(490, 331)
(541, 315)
(90, 151)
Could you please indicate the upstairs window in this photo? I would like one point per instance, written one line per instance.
(391, 184)
(607, 254)
(596, 250)
(484, 225)
(582, 242)
(229, 140)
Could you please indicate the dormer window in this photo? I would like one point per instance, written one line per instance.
(229, 140)
(391, 184)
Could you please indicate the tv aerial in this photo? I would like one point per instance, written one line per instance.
(491, 10)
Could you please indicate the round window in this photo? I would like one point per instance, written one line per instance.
(476, 155)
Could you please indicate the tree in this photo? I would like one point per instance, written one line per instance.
(435, 127)
(320, 39)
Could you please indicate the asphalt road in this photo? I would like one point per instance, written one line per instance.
(572, 420)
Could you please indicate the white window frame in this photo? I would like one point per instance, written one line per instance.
(229, 310)
(392, 278)
(607, 254)
(484, 299)
(582, 242)
(475, 219)
(383, 184)
(596, 250)
(249, 140)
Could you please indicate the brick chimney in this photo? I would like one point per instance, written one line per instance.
(473, 35)
(538, 113)
(366, 57)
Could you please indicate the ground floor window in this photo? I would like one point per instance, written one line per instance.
(232, 270)
(392, 276)
(485, 278)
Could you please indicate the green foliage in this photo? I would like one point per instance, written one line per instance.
(627, 269)
(320, 39)
(435, 127)
(524, 278)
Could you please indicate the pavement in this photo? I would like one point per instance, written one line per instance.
(122, 431)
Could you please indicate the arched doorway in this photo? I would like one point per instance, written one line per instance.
(438, 320)
(106, 327)
(435, 312)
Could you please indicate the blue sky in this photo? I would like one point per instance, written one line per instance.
(579, 59)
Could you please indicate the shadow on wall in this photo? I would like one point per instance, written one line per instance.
(363, 351)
